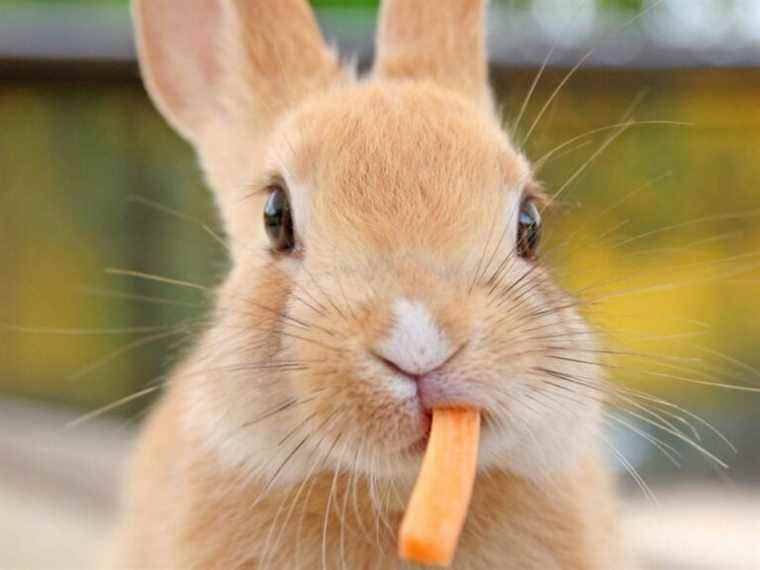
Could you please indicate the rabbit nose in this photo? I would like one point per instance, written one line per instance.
(415, 344)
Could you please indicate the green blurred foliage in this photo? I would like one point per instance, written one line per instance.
(633, 5)
(78, 161)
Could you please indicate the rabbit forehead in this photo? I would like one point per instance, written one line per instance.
(383, 155)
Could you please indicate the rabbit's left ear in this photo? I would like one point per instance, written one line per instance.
(439, 40)
(229, 62)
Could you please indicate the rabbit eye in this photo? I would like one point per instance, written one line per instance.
(528, 230)
(278, 221)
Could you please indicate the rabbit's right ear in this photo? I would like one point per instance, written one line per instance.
(206, 61)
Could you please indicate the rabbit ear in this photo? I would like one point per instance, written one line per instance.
(225, 60)
(439, 40)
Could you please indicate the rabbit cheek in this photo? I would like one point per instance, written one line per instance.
(544, 385)
(375, 416)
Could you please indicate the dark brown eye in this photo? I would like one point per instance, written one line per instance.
(278, 221)
(528, 230)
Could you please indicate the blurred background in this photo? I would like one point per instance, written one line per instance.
(644, 116)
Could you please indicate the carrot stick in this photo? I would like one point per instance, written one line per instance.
(438, 506)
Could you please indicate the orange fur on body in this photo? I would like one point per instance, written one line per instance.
(285, 440)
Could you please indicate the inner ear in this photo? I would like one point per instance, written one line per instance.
(177, 49)
(230, 62)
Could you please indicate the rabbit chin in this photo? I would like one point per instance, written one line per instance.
(536, 447)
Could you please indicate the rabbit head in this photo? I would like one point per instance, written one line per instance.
(383, 232)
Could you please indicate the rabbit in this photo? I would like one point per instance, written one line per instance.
(384, 236)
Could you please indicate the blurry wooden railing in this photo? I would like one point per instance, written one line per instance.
(58, 40)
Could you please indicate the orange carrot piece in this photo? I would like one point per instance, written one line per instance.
(438, 506)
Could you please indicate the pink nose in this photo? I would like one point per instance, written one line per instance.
(435, 387)
(416, 373)
(417, 347)
(411, 372)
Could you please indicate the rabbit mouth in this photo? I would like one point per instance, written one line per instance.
(419, 446)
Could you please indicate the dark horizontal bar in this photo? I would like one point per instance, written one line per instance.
(100, 40)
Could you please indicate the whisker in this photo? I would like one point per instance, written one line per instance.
(112, 406)
(539, 164)
(144, 298)
(591, 159)
(554, 94)
(180, 216)
(127, 348)
(85, 332)
(157, 278)
(666, 449)
(532, 89)
(631, 471)
(324, 295)
(704, 219)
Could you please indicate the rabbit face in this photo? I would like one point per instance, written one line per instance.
(406, 283)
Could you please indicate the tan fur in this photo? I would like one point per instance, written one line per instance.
(443, 41)
(283, 441)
